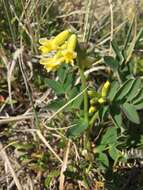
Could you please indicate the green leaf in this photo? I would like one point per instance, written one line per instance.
(123, 90)
(133, 44)
(129, 34)
(135, 87)
(103, 160)
(110, 137)
(114, 152)
(117, 52)
(62, 73)
(56, 86)
(24, 147)
(113, 90)
(68, 82)
(131, 113)
(139, 35)
(103, 112)
(56, 104)
(100, 148)
(78, 101)
(79, 127)
(50, 176)
(139, 105)
(138, 97)
(111, 62)
(116, 115)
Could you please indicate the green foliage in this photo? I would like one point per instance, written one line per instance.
(103, 161)
(50, 176)
(123, 90)
(131, 112)
(111, 62)
(79, 127)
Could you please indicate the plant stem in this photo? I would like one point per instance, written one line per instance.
(94, 117)
(83, 81)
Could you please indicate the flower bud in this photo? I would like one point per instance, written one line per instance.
(105, 89)
(91, 110)
(101, 100)
(93, 101)
(72, 42)
(93, 93)
(61, 37)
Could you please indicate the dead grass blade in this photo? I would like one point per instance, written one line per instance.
(6, 160)
(64, 166)
(42, 138)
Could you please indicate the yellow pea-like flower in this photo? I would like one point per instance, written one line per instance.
(63, 44)
(63, 47)
(105, 89)
(53, 44)
(51, 64)
(69, 53)
(91, 110)
(47, 46)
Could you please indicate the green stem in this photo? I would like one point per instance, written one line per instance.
(94, 117)
(83, 81)
(118, 77)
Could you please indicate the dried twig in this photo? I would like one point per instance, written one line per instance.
(6, 160)
(64, 166)
(42, 138)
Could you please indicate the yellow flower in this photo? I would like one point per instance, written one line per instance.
(51, 63)
(64, 45)
(69, 53)
(47, 46)
(105, 89)
(53, 44)
(101, 100)
(91, 110)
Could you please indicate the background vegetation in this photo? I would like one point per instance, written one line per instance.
(43, 140)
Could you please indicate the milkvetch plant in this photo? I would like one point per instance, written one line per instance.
(104, 107)
(62, 50)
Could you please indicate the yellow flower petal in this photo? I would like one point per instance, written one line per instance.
(69, 56)
(45, 49)
(47, 46)
(51, 63)
(61, 37)
(43, 41)
(53, 44)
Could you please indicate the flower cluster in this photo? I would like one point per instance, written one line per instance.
(62, 46)
(98, 97)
